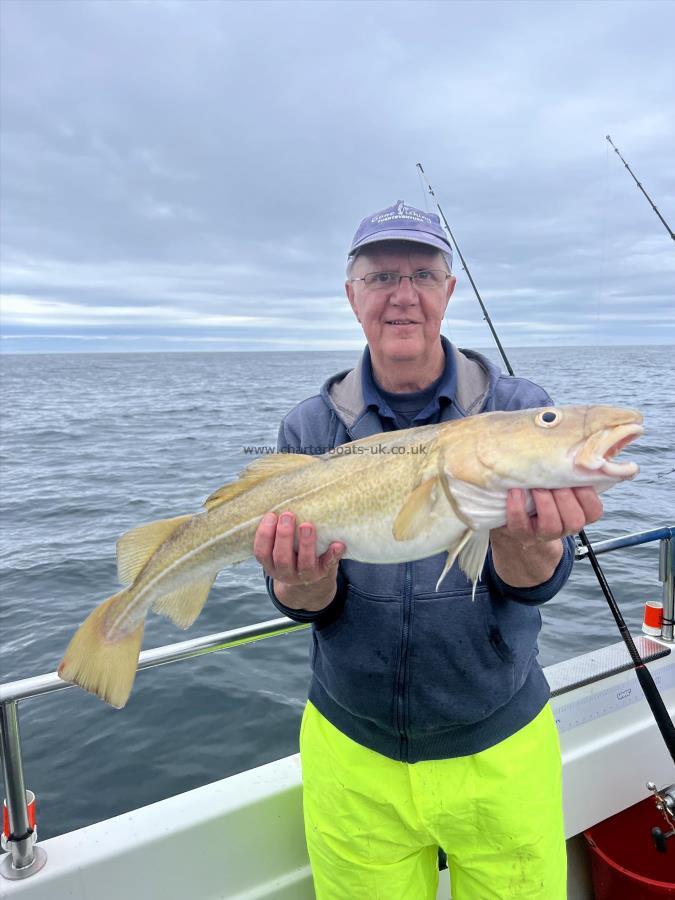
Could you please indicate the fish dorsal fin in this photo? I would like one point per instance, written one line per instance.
(136, 547)
(257, 471)
(414, 517)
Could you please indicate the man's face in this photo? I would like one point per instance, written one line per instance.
(403, 323)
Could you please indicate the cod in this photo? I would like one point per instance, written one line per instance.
(390, 498)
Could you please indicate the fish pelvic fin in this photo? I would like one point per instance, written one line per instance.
(257, 471)
(453, 553)
(136, 547)
(98, 664)
(183, 605)
(471, 551)
(472, 557)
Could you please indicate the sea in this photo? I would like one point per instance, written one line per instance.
(95, 444)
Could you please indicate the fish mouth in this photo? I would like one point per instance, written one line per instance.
(597, 453)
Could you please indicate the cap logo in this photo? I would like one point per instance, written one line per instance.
(401, 212)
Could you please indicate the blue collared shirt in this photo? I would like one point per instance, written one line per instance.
(442, 394)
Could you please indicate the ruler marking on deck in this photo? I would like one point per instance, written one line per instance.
(610, 700)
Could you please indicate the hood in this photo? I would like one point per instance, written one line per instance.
(476, 379)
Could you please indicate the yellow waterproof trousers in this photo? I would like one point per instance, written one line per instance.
(374, 825)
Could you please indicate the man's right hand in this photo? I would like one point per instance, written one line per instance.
(301, 579)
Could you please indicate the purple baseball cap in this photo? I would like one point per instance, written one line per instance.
(401, 223)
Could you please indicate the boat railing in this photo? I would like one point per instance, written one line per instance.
(25, 857)
(666, 538)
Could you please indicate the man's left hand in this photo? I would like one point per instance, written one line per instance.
(557, 513)
(526, 551)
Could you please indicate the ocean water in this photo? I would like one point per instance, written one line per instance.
(92, 445)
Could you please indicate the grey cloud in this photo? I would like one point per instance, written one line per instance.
(216, 157)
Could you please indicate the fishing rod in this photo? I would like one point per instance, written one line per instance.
(651, 202)
(468, 275)
(649, 688)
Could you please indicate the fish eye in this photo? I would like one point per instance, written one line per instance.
(548, 418)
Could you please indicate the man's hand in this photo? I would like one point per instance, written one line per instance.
(527, 549)
(301, 579)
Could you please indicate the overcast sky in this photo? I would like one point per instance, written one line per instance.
(188, 175)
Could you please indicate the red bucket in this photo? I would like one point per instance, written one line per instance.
(624, 860)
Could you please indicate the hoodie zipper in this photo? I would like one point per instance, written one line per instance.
(401, 705)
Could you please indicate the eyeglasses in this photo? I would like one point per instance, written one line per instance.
(421, 279)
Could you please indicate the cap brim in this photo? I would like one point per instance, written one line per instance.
(415, 237)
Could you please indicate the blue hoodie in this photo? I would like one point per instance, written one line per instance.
(397, 666)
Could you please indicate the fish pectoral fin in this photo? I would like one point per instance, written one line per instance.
(183, 605)
(257, 471)
(414, 517)
(472, 556)
(136, 547)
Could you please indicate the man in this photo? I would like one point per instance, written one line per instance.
(427, 724)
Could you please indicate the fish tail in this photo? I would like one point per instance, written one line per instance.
(98, 663)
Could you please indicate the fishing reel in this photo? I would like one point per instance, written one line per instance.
(665, 803)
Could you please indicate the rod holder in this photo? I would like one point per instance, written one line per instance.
(24, 858)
